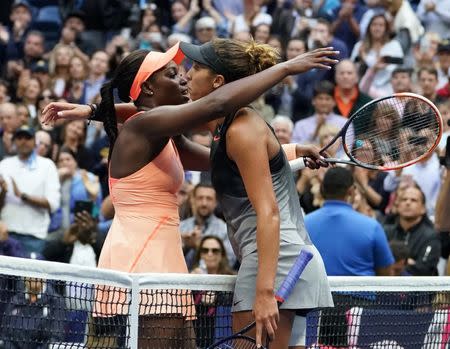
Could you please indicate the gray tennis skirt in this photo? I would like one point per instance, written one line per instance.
(312, 290)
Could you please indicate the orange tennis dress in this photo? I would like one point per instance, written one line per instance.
(144, 236)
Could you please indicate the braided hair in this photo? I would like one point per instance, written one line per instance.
(121, 80)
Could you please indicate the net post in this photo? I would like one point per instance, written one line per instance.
(134, 312)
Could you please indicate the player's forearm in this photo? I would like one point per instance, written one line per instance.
(267, 240)
(442, 218)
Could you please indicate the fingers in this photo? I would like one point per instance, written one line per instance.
(258, 338)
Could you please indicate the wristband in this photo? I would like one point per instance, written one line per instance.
(94, 108)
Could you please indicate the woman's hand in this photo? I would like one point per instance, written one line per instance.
(315, 158)
(265, 311)
(319, 58)
(67, 111)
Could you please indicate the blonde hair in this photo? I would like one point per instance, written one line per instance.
(244, 58)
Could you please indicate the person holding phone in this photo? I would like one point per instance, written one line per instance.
(80, 189)
(377, 56)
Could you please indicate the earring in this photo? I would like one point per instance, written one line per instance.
(151, 93)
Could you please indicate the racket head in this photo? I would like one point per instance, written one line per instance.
(237, 341)
(392, 132)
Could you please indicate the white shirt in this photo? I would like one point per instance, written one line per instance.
(36, 177)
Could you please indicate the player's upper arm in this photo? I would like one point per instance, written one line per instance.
(247, 145)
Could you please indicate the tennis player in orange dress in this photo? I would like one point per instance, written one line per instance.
(146, 169)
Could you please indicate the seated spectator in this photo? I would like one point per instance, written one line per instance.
(33, 192)
(78, 72)
(283, 128)
(211, 257)
(29, 91)
(401, 253)
(443, 65)
(413, 227)
(370, 250)
(400, 82)
(44, 144)
(347, 95)
(434, 16)
(307, 130)
(205, 30)
(204, 222)
(76, 185)
(59, 68)
(428, 80)
(426, 49)
(182, 16)
(322, 36)
(261, 33)
(44, 311)
(444, 108)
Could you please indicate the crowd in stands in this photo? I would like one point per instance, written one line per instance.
(54, 177)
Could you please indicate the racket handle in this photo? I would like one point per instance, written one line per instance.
(294, 274)
(297, 164)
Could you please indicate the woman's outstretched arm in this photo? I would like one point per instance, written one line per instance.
(168, 121)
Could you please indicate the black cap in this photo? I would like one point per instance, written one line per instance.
(444, 46)
(40, 66)
(24, 131)
(206, 55)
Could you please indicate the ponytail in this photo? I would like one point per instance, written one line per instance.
(107, 111)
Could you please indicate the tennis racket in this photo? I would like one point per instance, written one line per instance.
(388, 133)
(241, 340)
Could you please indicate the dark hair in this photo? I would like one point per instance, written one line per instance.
(122, 79)
(399, 249)
(336, 182)
(367, 41)
(400, 70)
(430, 70)
(202, 185)
(224, 265)
(68, 151)
(243, 59)
(323, 87)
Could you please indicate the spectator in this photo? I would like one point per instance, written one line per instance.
(28, 202)
(400, 82)
(59, 67)
(183, 16)
(10, 123)
(78, 72)
(204, 222)
(405, 24)
(205, 30)
(347, 95)
(370, 250)
(39, 303)
(345, 21)
(29, 91)
(78, 244)
(444, 108)
(435, 16)
(12, 38)
(425, 50)
(211, 257)
(307, 130)
(281, 97)
(76, 185)
(73, 138)
(98, 67)
(39, 70)
(428, 80)
(261, 33)
(374, 54)
(414, 228)
(443, 56)
(44, 144)
(295, 22)
(322, 36)
(283, 128)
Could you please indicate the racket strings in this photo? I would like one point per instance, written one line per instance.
(237, 343)
(393, 132)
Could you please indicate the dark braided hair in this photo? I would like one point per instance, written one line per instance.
(122, 79)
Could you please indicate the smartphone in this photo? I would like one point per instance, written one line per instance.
(392, 60)
(82, 205)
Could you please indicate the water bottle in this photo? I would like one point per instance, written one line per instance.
(202, 266)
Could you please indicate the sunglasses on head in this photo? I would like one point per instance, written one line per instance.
(205, 250)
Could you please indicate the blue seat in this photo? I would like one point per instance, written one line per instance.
(43, 3)
(49, 14)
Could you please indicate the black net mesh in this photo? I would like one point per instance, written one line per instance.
(38, 313)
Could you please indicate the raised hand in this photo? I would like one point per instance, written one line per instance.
(67, 111)
(321, 58)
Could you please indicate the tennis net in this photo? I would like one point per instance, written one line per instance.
(53, 305)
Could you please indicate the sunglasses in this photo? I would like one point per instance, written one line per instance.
(205, 250)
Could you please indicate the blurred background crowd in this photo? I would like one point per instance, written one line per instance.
(54, 192)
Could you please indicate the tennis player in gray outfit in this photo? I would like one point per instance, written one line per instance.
(257, 193)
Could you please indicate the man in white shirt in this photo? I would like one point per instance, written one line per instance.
(33, 191)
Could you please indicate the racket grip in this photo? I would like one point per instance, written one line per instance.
(297, 164)
(294, 274)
